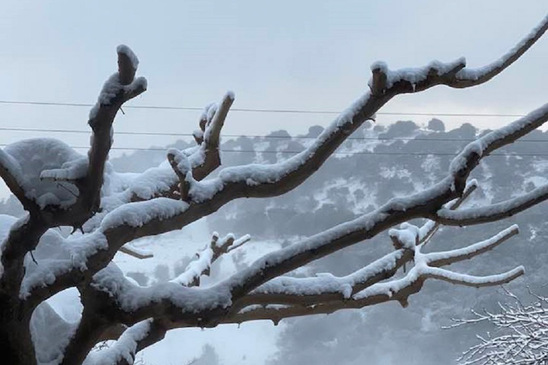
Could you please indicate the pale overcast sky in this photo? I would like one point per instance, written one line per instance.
(312, 55)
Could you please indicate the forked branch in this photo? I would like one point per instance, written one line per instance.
(261, 290)
(205, 258)
(119, 88)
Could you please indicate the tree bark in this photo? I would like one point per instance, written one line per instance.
(16, 346)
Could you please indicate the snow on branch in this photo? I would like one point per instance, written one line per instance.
(206, 257)
(160, 215)
(449, 257)
(206, 157)
(127, 64)
(69, 171)
(422, 271)
(214, 121)
(397, 290)
(141, 303)
(498, 138)
(429, 229)
(322, 294)
(409, 235)
(411, 80)
(260, 289)
(297, 296)
(493, 212)
(140, 214)
(119, 88)
(453, 74)
(472, 280)
(520, 336)
(133, 340)
(239, 242)
(131, 221)
(136, 252)
(369, 225)
(470, 77)
(292, 290)
(54, 257)
(60, 186)
(181, 165)
(269, 180)
(11, 173)
(200, 160)
(272, 180)
(364, 286)
(195, 164)
(327, 293)
(124, 349)
(23, 165)
(190, 277)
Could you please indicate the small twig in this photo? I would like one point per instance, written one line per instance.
(32, 256)
(67, 189)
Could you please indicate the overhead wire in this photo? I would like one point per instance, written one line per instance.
(261, 110)
(288, 137)
(294, 152)
(278, 137)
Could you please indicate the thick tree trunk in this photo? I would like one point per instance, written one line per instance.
(16, 346)
(89, 330)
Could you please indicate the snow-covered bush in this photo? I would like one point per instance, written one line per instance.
(518, 334)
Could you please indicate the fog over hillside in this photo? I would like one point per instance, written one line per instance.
(374, 165)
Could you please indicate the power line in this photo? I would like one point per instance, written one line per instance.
(293, 152)
(153, 149)
(265, 110)
(173, 134)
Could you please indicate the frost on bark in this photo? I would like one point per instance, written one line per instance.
(109, 210)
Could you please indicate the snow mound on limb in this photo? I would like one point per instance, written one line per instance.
(37, 163)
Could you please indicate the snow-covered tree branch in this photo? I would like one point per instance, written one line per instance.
(520, 334)
(63, 188)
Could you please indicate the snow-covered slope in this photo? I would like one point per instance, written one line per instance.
(376, 163)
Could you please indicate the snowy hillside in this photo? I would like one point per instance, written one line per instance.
(374, 165)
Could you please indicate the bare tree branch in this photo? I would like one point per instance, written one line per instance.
(204, 160)
(7, 173)
(397, 290)
(493, 212)
(520, 336)
(316, 295)
(384, 85)
(210, 145)
(466, 77)
(152, 220)
(466, 253)
(310, 291)
(454, 74)
(206, 257)
(429, 229)
(175, 195)
(135, 252)
(328, 293)
(120, 88)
